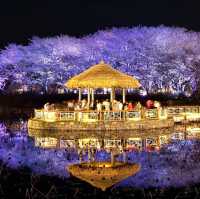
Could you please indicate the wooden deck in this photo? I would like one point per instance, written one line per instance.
(100, 125)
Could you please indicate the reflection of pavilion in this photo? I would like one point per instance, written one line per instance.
(134, 140)
(103, 174)
(127, 140)
(91, 145)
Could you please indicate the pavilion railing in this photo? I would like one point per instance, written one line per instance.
(184, 113)
(178, 113)
(177, 110)
(92, 116)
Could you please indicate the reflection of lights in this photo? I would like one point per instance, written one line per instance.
(112, 143)
(104, 165)
(192, 116)
(46, 142)
(178, 118)
(157, 148)
(134, 143)
(67, 143)
(177, 136)
(163, 139)
(89, 142)
(193, 130)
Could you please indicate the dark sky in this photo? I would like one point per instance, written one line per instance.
(22, 19)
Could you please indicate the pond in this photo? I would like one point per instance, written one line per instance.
(167, 157)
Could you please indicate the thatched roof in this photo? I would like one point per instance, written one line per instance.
(102, 175)
(102, 76)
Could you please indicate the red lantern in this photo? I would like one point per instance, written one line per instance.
(150, 104)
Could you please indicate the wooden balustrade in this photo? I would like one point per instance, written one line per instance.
(176, 112)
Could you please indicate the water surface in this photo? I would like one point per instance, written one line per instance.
(168, 157)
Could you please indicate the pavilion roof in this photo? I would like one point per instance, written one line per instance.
(101, 176)
(102, 76)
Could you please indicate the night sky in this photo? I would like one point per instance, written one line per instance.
(21, 20)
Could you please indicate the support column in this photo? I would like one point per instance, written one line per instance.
(112, 95)
(79, 94)
(88, 101)
(92, 92)
(123, 95)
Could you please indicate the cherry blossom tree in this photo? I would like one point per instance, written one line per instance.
(162, 58)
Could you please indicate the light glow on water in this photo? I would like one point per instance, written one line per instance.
(166, 159)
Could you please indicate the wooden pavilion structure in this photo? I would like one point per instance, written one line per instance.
(102, 75)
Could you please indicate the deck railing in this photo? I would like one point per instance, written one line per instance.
(178, 113)
(176, 110)
(184, 113)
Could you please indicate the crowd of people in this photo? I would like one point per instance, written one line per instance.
(98, 105)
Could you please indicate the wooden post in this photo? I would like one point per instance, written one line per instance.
(123, 95)
(112, 95)
(79, 94)
(88, 102)
(92, 92)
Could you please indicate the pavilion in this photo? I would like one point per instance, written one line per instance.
(102, 75)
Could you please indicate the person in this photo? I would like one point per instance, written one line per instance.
(120, 106)
(130, 106)
(115, 106)
(92, 106)
(138, 106)
(52, 106)
(83, 104)
(99, 106)
(70, 105)
(77, 106)
(103, 105)
(125, 107)
(47, 106)
(107, 105)
(99, 109)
